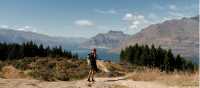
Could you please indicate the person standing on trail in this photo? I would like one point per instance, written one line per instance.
(93, 65)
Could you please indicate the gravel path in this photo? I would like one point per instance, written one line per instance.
(100, 83)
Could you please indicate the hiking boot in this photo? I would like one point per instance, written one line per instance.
(88, 80)
(93, 80)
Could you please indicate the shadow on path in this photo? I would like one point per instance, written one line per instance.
(112, 80)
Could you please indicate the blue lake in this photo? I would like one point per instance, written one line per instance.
(103, 54)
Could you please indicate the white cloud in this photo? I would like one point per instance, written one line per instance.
(19, 28)
(174, 11)
(25, 28)
(176, 14)
(166, 18)
(131, 17)
(172, 7)
(4, 26)
(133, 26)
(136, 21)
(140, 17)
(111, 11)
(84, 23)
(128, 17)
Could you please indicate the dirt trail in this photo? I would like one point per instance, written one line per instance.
(118, 82)
(101, 65)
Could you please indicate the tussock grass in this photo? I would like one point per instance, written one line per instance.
(11, 72)
(45, 68)
(55, 69)
(109, 69)
(172, 79)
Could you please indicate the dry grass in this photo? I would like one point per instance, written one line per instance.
(11, 72)
(109, 69)
(146, 75)
(54, 69)
(172, 79)
(44, 68)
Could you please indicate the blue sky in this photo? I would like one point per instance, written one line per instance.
(86, 18)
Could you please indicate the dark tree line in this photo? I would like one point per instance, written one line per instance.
(30, 49)
(156, 57)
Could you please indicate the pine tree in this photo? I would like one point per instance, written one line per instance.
(171, 60)
(30, 49)
(155, 57)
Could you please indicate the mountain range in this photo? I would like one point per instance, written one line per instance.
(15, 36)
(180, 35)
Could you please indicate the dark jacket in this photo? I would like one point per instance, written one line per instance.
(92, 59)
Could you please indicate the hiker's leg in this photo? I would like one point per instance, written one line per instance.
(93, 73)
(89, 75)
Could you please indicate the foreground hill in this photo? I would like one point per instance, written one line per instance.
(55, 68)
(37, 72)
(180, 35)
(112, 39)
(14, 36)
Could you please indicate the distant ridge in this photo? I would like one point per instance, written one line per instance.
(112, 39)
(15, 36)
(181, 35)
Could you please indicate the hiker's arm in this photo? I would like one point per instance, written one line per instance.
(96, 57)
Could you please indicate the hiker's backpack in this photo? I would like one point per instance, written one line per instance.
(88, 59)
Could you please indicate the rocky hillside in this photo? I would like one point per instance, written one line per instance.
(181, 35)
(112, 39)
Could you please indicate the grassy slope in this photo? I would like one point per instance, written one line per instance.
(65, 69)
